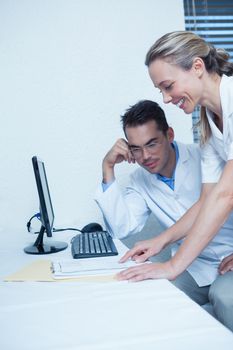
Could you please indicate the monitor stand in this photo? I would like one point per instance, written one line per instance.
(41, 248)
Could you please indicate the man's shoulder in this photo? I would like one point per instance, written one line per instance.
(192, 149)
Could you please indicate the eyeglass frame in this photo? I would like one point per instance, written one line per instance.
(150, 146)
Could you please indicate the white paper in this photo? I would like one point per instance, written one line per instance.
(87, 267)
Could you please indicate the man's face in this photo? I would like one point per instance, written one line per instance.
(151, 148)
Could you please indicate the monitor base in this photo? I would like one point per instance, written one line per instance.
(49, 248)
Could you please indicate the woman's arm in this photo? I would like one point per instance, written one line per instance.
(145, 249)
(216, 204)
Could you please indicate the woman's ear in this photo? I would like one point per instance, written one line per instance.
(198, 66)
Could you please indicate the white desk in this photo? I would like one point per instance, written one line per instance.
(58, 316)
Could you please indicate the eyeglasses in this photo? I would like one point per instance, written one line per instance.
(151, 148)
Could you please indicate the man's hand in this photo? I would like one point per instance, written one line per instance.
(118, 153)
(143, 250)
(148, 271)
(226, 265)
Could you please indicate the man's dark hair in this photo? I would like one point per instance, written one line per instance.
(143, 112)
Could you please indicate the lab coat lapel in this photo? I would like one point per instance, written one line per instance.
(182, 167)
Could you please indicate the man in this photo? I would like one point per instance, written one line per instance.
(167, 183)
(160, 184)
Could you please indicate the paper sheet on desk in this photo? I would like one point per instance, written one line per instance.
(91, 267)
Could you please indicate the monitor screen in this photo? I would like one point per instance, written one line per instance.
(46, 208)
(46, 213)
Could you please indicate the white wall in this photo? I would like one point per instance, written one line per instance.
(68, 69)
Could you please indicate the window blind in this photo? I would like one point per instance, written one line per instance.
(213, 21)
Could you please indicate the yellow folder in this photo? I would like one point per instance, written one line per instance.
(40, 271)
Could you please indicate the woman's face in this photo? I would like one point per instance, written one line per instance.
(180, 87)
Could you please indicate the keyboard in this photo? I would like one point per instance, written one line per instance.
(92, 245)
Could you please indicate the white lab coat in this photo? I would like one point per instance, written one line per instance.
(126, 212)
(219, 149)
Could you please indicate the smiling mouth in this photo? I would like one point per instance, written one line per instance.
(179, 104)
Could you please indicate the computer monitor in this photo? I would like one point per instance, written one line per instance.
(46, 213)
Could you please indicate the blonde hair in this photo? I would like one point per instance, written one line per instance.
(180, 48)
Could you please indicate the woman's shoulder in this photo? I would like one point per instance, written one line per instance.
(226, 82)
(226, 92)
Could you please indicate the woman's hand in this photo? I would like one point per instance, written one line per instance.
(148, 271)
(226, 265)
(143, 250)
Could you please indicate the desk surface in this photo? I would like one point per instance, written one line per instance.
(91, 315)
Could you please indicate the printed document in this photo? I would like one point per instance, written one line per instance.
(87, 267)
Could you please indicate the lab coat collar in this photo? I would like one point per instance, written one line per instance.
(181, 173)
(226, 102)
(226, 105)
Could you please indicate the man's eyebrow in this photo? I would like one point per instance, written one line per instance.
(148, 142)
(152, 140)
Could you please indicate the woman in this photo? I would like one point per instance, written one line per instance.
(190, 72)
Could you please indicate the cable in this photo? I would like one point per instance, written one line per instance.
(66, 229)
(38, 216)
